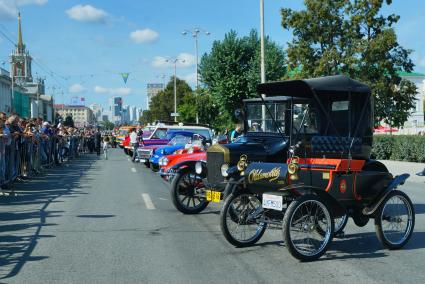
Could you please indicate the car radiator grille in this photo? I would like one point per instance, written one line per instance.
(144, 154)
(214, 162)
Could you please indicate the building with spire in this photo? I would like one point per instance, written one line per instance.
(28, 95)
(21, 60)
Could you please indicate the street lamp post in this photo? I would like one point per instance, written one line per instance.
(195, 33)
(262, 59)
(263, 67)
(174, 61)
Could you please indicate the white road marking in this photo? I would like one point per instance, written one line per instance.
(148, 201)
(163, 198)
(134, 170)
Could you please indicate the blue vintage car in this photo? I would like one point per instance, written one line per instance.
(180, 140)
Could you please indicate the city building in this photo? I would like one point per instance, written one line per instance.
(29, 97)
(81, 115)
(115, 109)
(133, 114)
(125, 114)
(152, 90)
(416, 118)
(5, 93)
(97, 111)
(105, 117)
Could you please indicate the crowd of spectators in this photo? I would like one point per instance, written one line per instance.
(29, 145)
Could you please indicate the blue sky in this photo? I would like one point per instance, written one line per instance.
(83, 47)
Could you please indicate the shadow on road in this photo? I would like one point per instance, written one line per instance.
(22, 217)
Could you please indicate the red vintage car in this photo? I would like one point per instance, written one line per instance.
(171, 163)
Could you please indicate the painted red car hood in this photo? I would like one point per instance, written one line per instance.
(178, 158)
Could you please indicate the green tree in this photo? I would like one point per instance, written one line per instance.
(162, 105)
(353, 38)
(188, 108)
(231, 70)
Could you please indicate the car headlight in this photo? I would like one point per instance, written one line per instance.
(198, 168)
(163, 161)
(224, 169)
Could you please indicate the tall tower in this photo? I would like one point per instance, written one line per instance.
(20, 60)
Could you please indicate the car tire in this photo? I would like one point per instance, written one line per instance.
(176, 190)
(383, 215)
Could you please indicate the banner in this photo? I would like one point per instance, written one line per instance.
(125, 77)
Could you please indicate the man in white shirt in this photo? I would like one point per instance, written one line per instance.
(134, 143)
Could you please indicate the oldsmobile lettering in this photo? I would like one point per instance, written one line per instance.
(256, 175)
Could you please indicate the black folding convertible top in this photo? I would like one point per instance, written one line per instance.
(331, 85)
(343, 110)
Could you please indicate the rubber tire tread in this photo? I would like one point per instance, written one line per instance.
(378, 221)
(286, 235)
(225, 230)
(174, 197)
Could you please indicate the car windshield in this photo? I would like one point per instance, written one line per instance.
(203, 132)
(160, 133)
(304, 119)
(180, 140)
(260, 120)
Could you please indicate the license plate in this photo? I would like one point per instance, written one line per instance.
(214, 196)
(142, 160)
(272, 202)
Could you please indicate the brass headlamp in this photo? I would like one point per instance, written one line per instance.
(293, 168)
(242, 163)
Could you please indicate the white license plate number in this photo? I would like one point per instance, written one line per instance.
(272, 202)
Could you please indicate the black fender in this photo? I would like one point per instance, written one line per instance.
(375, 166)
(232, 186)
(397, 180)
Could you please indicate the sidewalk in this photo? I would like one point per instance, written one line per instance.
(400, 167)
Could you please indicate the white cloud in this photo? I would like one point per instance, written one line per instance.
(76, 88)
(144, 36)
(184, 60)
(87, 13)
(112, 91)
(190, 78)
(159, 62)
(190, 59)
(9, 8)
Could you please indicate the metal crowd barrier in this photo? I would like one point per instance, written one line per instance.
(25, 157)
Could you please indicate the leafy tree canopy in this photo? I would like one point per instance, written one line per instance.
(162, 105)
(352, 37)
(231, 70)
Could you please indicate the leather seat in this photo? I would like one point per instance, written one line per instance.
(335, 145)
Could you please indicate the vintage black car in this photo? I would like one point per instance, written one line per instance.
(327, 178)
(265, 138)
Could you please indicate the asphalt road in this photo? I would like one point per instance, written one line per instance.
(97, 221)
